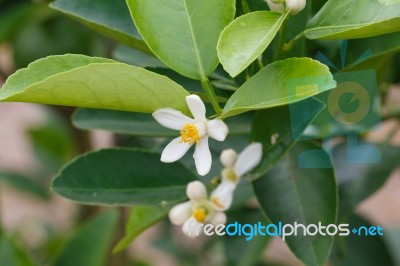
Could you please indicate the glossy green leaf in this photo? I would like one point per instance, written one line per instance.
(82, 81)
(361, 250)
(110, 18)
(135, 57)
(24, 184)
(187, 30)
(140, 219)
(90, 243)
(280, 83)
(138, 124)
(123, 177)
(353, 19)
(279, 128)
(368, 53)
(290, 194)
(245, 38)
(362, 179)
(121, 122)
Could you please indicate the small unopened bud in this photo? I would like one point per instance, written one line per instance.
(295, 5)
(180, 213)
(196, 191)
(228, 157)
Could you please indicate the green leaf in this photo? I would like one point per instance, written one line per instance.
(189, 30)
(361, 250)
(121, 122)
(135, 57)
(360, 180)
(12, 255)
(123, 177)
(279, 128)
(353, 19)
(110, 18)
(240, 252)
(11, 18)
(376, 48)
(137, 124)
(140, 219)
(89, 245)
(290, 194)
(280, 83)
(24, 184)
(82, 81)
(245, 38)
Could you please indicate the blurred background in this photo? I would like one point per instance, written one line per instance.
(36, 141)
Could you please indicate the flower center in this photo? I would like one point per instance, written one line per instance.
(200, 214)
(230, 175)
(190, 134)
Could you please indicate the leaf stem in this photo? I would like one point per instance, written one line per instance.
(281, 40)
(245, 7)
(210, 92)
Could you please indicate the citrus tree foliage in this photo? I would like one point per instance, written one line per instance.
(260, 80)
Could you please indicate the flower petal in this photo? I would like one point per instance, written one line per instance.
(218, 218)
(171, 118)
(196, 191)
(174, 150)
(197, 107)
(217, 129)
(202, 157)
(228, 157)
(249, 158)
(180, 213)
(192, 228)
(221, 197)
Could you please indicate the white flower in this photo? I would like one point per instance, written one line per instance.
(195, 212)
(235, 168)
(295, 5)
(193, 131)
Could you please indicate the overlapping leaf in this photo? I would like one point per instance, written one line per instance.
(82, 81)
(245, 38)
(280, 83)
(123, 177)
(290, 194)
(183, 34)
(352, 19)
(110, 18)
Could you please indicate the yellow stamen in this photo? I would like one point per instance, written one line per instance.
(229, 174)
(190, 134)
(216, 202)
(200, 214)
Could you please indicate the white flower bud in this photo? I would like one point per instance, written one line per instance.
(228, 157)
(295, 5)
(180, 213)
(196, 191)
